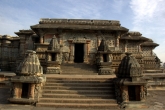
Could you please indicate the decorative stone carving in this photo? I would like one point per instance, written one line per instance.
(30, 65)
(54, 45)
(29, 73)
(130, 74)
(53, 57)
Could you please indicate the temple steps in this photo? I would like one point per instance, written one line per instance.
(80, 84)
(78, 91)
(71, 100)
(82, 105)
(98, 96)
(79, 69)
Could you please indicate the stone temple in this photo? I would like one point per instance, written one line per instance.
(79, 63)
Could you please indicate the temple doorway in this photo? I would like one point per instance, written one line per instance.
(25, 89)
(79, 53)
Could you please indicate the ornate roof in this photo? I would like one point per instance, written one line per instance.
(134, 35)
(24, 32)
(149, 43)
(79, 24)
(30, 65)
(129, 67)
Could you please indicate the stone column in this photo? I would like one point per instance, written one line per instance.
(49, 56)
(41, 37)
(142, 93)
(125, 94)
(101, 57)
(117, 39)
(125, 46)
(117, 42)
(139, 48)
(71, 52)
(17, 90)
(109, 57)
(31, 91)
(85, 52)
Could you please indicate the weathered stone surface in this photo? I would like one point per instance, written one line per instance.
(130, 88)
(30, 65)
(27, 85)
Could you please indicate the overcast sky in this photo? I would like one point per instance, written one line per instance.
(145, 16)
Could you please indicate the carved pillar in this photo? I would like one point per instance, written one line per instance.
(117, 39)
(41, 38)
(17, 90)
(31, 91)
(101, 57)
(109, 57)
(142, 93)
(71, 52)
(125, 46)
(49, 56)
(20, 90)
(125, 94)
(85, 52)
(139, 48)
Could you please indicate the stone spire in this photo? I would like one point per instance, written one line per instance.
(30, 65)
(103, 45)
(129, 68)
(54, 45)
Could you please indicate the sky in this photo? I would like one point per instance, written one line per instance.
(145, 16)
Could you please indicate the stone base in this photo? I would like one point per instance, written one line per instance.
(22, 100)
(105, 71)
(133, 105)
(52, 70)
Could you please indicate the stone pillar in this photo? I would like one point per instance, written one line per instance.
(125, 94)
(139, 48)
(49, 56)
(142, 93)
(117, 39)
(41, 37)
(31, 91)
(117, 42)
(85, 52)
(125, 46)
(101, 57)
(109, 57)
(20, 90)
(71, 52)
(17, 90)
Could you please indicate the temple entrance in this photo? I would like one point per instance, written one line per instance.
(25, 89)
(79, 53)
(134, 93)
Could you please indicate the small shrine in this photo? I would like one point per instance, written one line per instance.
(130, 87)
(104, 59)
(53, 57)
(29, 79)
